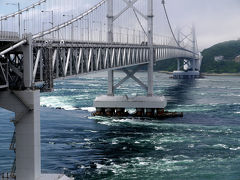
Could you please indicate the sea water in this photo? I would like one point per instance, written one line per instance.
(204, 144)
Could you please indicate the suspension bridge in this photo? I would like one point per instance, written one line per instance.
(57, 39)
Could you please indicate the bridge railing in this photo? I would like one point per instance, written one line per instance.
(9, 36)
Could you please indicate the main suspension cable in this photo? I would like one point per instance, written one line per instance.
(169, 24)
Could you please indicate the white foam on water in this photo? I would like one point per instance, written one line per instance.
(235, 149)
(107, 123)
(81, 167)
(90, 131)
(221, 146)
(99, 166)
(230, 95)
(236, 112)
(143, 163)
(161, 148)
(174, 139)
(55, 102)
(191, 146)
(115, 141)
(195, 107)
(89, 109)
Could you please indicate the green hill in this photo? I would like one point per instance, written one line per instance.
(166, 65)
(229, 50)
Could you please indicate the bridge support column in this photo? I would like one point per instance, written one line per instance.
(150, 43)
(26, 106)
(110, 83)
(150, 79)
(110, 40)
(28, 62)
(194, 49)
(178, 64)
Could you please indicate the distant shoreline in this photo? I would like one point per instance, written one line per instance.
(165, 72)
(208, 74)
(220, 74)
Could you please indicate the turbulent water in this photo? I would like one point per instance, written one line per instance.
(204, 144)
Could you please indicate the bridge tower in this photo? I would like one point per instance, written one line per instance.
(190, 68)
(144, 105)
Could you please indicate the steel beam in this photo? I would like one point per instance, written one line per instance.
(110, 40)
(28, 62)
(150, 44)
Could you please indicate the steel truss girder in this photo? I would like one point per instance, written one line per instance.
(3, 75)
(69, 61)
(53, 61)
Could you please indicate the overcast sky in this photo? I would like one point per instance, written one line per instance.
(215, 20)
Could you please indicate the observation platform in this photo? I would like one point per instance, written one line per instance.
(186, 74)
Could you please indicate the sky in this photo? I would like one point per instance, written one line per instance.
(215, 20)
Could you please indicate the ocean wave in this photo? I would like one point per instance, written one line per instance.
(194, 109)
(230, 95)
(224, 146)
(157, 148)
(235, 149)
(115, 141)
(90, 131)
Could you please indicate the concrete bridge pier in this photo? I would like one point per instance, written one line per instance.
(26, 106)
(190, 67)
